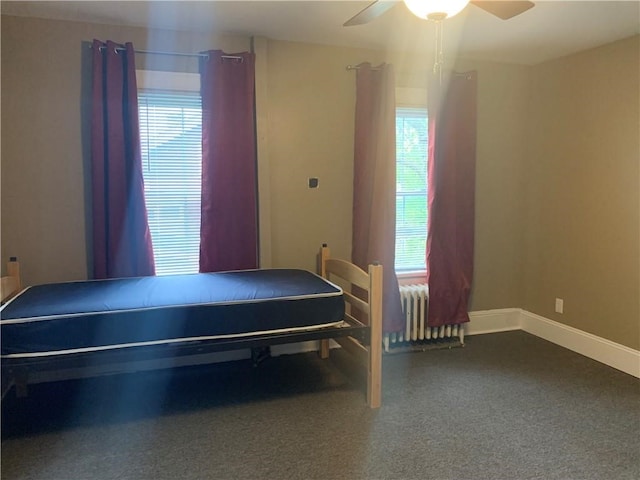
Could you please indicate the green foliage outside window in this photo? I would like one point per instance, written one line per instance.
(411, 188)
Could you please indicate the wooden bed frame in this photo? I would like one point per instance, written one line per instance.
(363, 340)
(10, 285)
(368, 354)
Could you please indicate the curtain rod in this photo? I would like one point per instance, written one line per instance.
(150, 52)
(357, 67)
(178, 54)
(457, 74)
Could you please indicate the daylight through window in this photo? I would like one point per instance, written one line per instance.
(171, 140)
(411, 189)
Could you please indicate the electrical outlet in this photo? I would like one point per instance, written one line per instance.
(559, 305)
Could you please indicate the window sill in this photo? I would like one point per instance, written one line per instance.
(408, 278)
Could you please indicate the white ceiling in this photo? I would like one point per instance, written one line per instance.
(553, 28)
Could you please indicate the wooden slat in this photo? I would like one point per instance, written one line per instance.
(351, 320)
(356, 302)
(347, 271)
(354, 347)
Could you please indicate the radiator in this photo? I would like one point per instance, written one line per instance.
(415, 301)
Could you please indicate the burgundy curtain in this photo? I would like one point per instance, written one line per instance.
(374, 183)
(121, 238)
(229, 223)
(452, 158)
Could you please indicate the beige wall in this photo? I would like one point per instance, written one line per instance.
(311, 100)
(582, 203)
(306, 102)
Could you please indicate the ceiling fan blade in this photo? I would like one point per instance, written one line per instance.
(504, 9)
(370, 12)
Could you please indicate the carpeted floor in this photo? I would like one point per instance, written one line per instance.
(506, 406)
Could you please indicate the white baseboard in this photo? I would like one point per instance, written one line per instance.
(493, 321)
(600, 349)
(605, 351)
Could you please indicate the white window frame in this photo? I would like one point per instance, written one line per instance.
(411, 98)
(178, 81)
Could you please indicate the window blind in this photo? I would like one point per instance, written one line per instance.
(171, 141)
(411, 188)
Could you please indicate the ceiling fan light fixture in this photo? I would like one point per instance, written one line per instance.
(435, 9)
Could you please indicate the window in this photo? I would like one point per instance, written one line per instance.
(171, 141)
(411, 189)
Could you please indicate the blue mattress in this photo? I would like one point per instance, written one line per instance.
(75, 317)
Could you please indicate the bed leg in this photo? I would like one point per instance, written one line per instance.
(324, 254)
(374, 377)
(323, 351)
(374, 370)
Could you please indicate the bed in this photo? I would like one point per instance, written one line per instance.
(83, 325)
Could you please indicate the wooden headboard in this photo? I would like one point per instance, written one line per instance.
(11, 284)
(370, 283)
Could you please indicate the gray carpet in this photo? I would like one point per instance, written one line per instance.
(506, 406)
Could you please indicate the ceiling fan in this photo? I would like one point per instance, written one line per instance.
(440, 9)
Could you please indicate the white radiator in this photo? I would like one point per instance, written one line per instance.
(415, 301)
